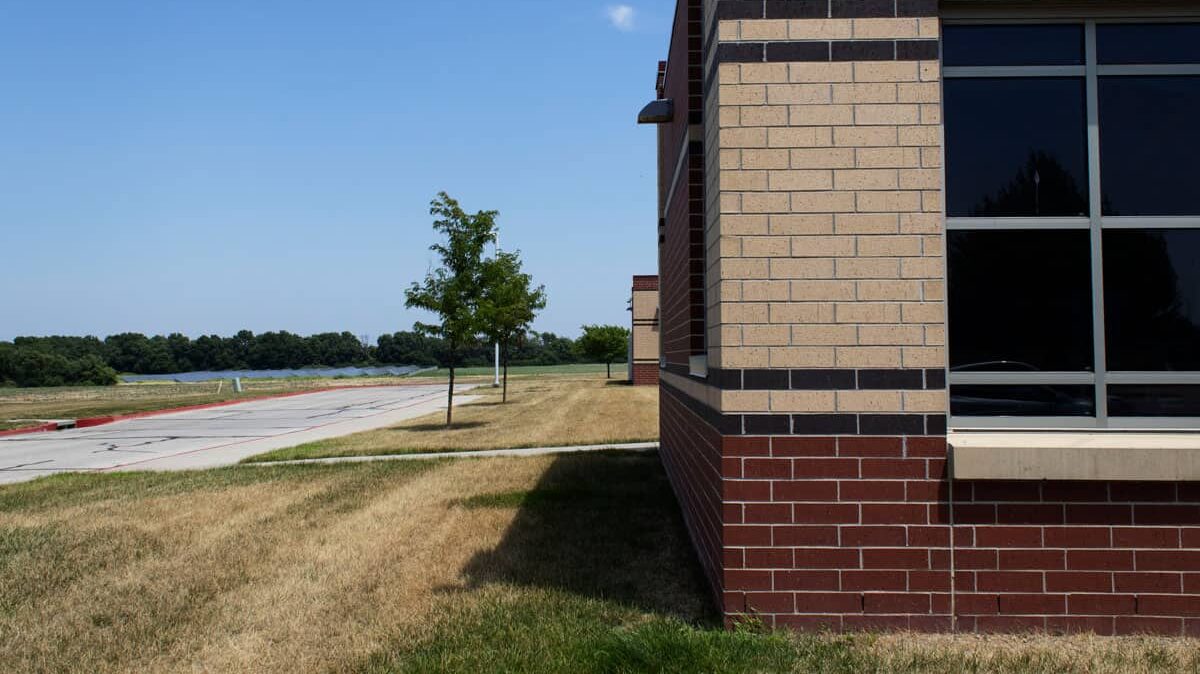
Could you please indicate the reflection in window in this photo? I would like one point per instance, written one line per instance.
(1016, 147)
(1153, 401)
(1152, 299)
(1149, 141)
(1140, 43)
(1020, 300)
(1019, 45)
(1025, 401)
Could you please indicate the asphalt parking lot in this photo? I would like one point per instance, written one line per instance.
(218, 436)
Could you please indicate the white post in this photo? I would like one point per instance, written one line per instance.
(496, 379)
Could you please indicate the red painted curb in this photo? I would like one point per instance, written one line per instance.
(89, 422)
(44, 428)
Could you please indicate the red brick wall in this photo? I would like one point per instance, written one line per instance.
(681, 246)
(837, 533)
(1112, 557)
(645, 374)
(642, 282)
(854, 532)
(691, 454)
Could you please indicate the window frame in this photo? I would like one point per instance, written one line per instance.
(1096, 222)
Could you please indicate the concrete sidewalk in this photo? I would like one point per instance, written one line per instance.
(467, 454)
(220, 436)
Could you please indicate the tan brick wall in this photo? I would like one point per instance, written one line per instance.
(828, 248)
(827, 29)
(645, 326)
(645, 305)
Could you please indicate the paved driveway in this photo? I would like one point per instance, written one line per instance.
(218, 436)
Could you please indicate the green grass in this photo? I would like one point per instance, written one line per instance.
(521, 370)
(549, 631)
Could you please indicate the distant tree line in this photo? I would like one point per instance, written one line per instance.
(536, 348)
(58, 361)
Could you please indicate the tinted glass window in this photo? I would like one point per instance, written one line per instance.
(1016, 147)
(1152, 299)
(1025, 401)
(1044, 45)
(1148, 43)
(1154, 401)
(1020, 300)
(1149, 141)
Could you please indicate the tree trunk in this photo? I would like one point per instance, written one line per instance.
(608, 366)
(504, 364)
(450, 397)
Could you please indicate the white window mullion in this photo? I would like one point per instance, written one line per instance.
(1012, 71)
(1018, 223)
(1150, 70)
(1097, 230)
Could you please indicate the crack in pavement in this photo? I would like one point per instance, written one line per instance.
(21, 466)
(113, 447)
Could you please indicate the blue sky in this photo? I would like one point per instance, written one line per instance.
(201, 167)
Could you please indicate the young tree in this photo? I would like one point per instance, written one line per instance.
(453, 290)
(605, 343)
(508, 305)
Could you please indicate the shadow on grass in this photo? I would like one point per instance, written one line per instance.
(618, 382)
(603, 525)
(440, 426)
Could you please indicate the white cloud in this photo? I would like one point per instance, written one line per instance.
(621, 17)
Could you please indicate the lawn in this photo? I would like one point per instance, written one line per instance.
(575, 563)
(544, 410)
(618, 370)
(21, 407)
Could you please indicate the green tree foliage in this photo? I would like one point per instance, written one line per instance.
(279, 350)
(508, 305)
(30, 366)
(409, 348)
(138, 354)
(70, 347)
(452, 291)
(605, 344)
(414, 348)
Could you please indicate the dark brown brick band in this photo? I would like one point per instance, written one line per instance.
(811, 51)
(827, 380)
(824, 9)
(810, 424)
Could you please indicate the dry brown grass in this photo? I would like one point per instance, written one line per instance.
(287, 572)
(86, 401)
(545, 411)
(545, 564)
(1033, 653)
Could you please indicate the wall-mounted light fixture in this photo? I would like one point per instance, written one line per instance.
(661, 111)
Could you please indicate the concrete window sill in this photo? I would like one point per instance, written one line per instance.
(1075, 455)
